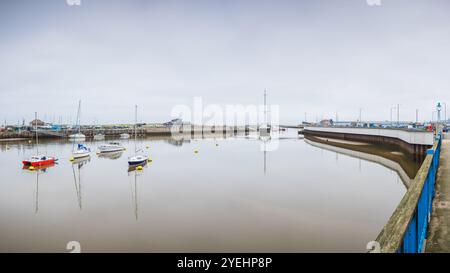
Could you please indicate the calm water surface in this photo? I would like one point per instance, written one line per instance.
(221, 199)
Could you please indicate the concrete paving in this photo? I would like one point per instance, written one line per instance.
(439, 229)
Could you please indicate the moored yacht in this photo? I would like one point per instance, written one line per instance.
(99, 137)
(81, 151)
(136, 159)
(78, 136)
(111, 147)
(124, 135)
(265, 128)
(38, 160)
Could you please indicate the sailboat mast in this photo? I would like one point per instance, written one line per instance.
(36, 129)
(135, 129)
(265, 106)
(78, 117)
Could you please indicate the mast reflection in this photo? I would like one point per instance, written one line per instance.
(135, 171)
(37, 170)
(78, 164)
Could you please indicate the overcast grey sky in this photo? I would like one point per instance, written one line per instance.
(316, 56)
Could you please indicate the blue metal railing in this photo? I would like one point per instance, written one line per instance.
(416, 232)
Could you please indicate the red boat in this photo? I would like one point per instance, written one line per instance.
(39, 161)
(37, 168)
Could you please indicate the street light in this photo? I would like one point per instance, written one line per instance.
(392, 108)
(445, 112)
(360, 122)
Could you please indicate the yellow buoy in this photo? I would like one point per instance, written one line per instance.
(139, 168)
(195, 151)
(147, 147)
(150, 160)
(72, 159)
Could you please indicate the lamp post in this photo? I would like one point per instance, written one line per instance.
(445, 112)
(392, 108)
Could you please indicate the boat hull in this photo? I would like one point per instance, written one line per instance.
(110, 150)
(139, 162)
(77, 137)
(81, 155)
(39, 163)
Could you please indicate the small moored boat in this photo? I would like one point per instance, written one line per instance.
(78, 136)
(111, 147)
(39, 160)
(99, 137)
(124, 136)
(137, 159)
(81, 151)
(111, 155)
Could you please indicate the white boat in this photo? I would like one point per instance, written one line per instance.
(136, 159)
(78, 136)
(111, 155)
(111, 147)
(81, 152)
(99, 137)
(265, 129)
(124, 136)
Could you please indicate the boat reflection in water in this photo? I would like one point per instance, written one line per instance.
(111, 155)
(135, 171)
(78, 164)
(37, 170)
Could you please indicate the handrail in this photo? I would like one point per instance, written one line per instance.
(406, 230)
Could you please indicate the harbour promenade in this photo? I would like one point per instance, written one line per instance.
(439, 230)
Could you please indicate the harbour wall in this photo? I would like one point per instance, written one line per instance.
(412, 142)
(141, 131)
